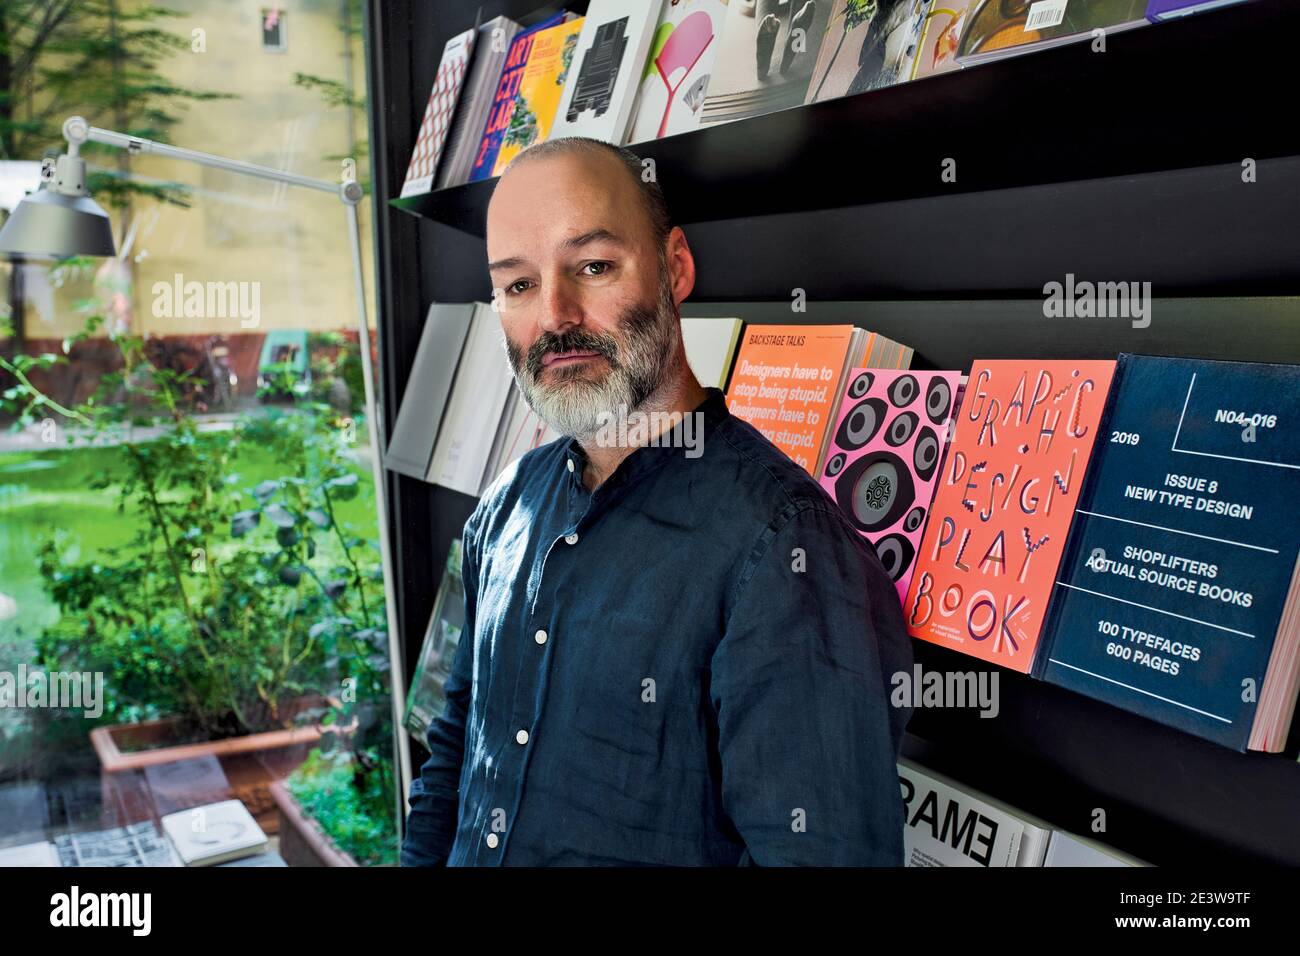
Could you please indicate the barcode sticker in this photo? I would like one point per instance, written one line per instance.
(1045, 13)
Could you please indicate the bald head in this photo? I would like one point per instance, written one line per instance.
(612, 167)
(587, 275)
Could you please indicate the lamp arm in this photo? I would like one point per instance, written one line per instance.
(77, 131)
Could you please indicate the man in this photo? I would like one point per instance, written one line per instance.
(676, 652)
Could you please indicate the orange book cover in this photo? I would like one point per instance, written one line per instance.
(1003, 506)
(786, 382)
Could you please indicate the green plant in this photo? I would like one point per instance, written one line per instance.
(337, 378)
(229, 601)
(522, 129)
(281, 380)
(352, 806)
(566, 59)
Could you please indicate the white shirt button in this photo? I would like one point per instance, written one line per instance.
(522, 737)
(570, 464)
(540, 637)
(492, 840)
(571, 538)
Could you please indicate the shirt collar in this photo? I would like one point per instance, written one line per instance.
(648, 458)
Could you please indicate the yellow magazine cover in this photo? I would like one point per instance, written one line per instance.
(540, 87)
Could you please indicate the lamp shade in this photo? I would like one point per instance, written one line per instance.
(53, 224)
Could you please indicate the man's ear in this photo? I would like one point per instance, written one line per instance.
(681, 265)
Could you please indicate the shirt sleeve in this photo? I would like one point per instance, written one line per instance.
(808, 739)
(435, 794)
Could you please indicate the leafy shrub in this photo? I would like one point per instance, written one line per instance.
(229, 601)
(354, 807)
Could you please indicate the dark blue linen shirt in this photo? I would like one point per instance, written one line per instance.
(688, 666)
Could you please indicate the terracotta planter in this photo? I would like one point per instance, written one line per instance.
(302, 841)
(141, 776)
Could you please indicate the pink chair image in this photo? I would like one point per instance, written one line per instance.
(681, 51)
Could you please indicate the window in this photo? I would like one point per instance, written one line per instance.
(274, 38)
(213, 505)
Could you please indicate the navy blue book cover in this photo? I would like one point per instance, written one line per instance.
(1183, 547)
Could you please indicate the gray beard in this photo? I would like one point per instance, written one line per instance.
(574, 405)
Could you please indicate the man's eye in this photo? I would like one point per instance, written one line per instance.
(602, 267)
(513, 288)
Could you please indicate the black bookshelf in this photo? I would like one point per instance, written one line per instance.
(1115, 166)
(1185, 95)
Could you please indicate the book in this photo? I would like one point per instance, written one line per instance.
(677, 70)
(940, 33)
(519, 432)
(427, 698)
(502, 106)
(948, 824)
(438, 113)
(138, 844)
(424, 402)
(710, 348)
(1158, 10)
(884, 455)
(30, 854)
(541, 85)
(1002, 509)
(214, 833)
(787, 380)
(477, 401)
(868, 46)
(612, 51)
(486, 63)
(883, 352)
(995, 30)
(766, 58)
(1179, 595)
(1068, 849)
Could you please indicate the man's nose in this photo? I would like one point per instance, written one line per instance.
(560, 309)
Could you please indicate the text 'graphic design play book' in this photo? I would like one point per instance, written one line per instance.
(1002, 510)
(1177, 597)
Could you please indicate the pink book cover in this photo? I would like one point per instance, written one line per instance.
(883, 461)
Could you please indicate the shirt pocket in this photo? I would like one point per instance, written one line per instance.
(619, 712)
(653, 718)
